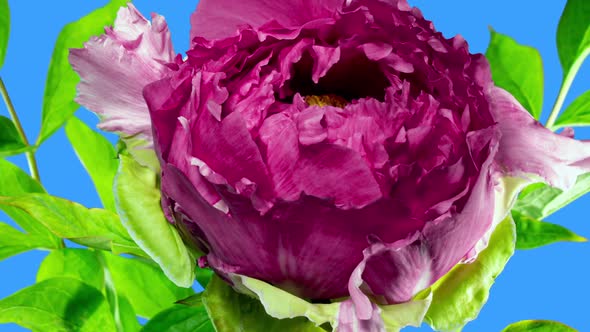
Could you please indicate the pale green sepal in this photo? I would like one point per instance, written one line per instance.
(140, 151)
(231, 311)
(281, 304)
(505, 193)
(460, 294)
(397, 316)
(138, 203)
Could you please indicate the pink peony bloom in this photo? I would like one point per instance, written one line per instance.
(330, 148)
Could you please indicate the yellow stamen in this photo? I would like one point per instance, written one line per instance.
(326, 100)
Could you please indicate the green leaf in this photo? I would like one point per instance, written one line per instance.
(460, 294)
(121, 309)
(13, 242)
(58, 305)
(180, 318)
(60, 88)
(4, 29)
(15, 182)
(138, 204)
(132, 277)
(87, 266)
(10, 142)
(518, 69)
(128, 319)
(79, 264)
(540, 200)
(532, 233)
(577, 114)
(95, 228)
(538, 326)
(573, 34)
(231, 311)
(98, 156)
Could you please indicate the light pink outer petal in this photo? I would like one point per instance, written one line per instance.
(216, 19)
(115, 67)
(348, 320)
(529, 149)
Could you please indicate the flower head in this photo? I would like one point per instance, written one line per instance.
(330, 148)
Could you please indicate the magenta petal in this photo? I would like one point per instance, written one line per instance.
(164, 100)
(325, 58)
(395, 272)
(259, 246)
(216, 19)
(116, 66)
(227, 147)
(337, 173)
(282, 246)
(529, 149)
(279, 138)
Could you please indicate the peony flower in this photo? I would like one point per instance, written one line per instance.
(332, 149)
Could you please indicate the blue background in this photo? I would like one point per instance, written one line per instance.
(546, 283)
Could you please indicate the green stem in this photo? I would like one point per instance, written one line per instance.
(111, 292)
(565, 88)
(19, 128)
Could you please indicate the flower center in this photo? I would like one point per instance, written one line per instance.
(326, 100)
(352, 78)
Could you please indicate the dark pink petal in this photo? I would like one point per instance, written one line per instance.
(324, 59)
(527, 149)
(115, 68)
(279, 138)
(336, 173)
(283, 246)
(227, 147)
(394, 272)
(216, 19)
(164, 99)
(310, 125)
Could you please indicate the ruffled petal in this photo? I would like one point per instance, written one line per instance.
(527, 149)
(216, 19)
(116, 66)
